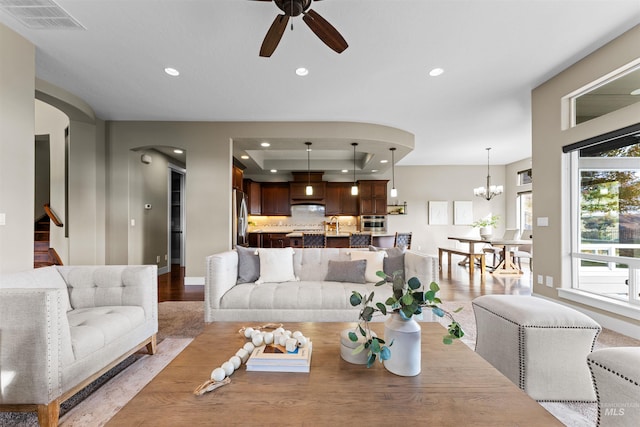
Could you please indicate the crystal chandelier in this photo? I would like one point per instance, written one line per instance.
(490, 190)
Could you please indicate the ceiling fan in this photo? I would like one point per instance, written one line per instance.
(291, 8)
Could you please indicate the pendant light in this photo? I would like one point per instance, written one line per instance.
(394, 191)
(490, 190)
(354, 187)
(309, 189)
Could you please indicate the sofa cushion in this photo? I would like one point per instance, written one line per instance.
(394, 260)
(347, 271)
(248, 264)
(93, 328)
(301, 295)
(374, 263)
(276, 265)
(45, 277)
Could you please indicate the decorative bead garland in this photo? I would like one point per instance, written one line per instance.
(269, 334)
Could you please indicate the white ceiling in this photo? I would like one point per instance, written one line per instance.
(494, 52)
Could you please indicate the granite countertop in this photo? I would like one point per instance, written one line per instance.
(298, 233)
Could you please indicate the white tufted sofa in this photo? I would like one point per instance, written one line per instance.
(311, 299)
(63, 327)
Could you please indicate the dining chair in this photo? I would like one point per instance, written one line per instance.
(360, 240)
(524, 251)
(314, 240)
(402, 239)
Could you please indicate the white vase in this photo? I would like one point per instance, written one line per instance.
(486, 232)
(406, 350)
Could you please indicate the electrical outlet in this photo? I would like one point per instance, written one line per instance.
(158, 259)
(3, 219)
(166, 257)
(549, 280)
(133, 222)
(540, 279)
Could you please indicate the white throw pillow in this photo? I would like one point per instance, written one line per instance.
(374, 263)
(276, 265)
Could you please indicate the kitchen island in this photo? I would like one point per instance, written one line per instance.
(293, 238)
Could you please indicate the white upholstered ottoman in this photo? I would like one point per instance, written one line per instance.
(616, 378)
(541, 346)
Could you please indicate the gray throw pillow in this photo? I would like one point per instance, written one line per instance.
(394, 260)
(347, 271)
(391, 264)
(248, 265)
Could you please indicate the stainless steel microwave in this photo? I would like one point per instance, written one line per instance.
(373, 222)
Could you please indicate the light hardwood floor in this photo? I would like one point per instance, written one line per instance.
(457, 287)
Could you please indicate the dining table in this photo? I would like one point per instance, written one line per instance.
(506, 266)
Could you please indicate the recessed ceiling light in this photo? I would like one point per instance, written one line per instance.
(436, 72)
(178, 151)
(374, 170)
(302, 71)
(244, 157)
(384, 161)
(274, 170)
(172, 72)
(265, 144)
(635, 92)
(345, 170)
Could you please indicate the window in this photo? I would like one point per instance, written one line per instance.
(525, 212)
(605, 186)
(525, 177)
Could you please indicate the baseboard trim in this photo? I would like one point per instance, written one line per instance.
(194, 280)
(163, 270)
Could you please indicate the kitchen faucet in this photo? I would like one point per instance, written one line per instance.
(337, 223)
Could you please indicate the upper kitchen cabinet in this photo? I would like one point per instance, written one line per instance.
(236, 178)
(339, 200)
(275, 198)
(373, 197)
(254, 194)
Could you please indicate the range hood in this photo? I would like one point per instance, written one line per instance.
(297, 188)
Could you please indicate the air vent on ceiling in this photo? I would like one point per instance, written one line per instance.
(40, 14)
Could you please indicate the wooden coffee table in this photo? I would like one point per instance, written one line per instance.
(456, 387)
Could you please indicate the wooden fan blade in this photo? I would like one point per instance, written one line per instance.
(325, 31)
(274, 35)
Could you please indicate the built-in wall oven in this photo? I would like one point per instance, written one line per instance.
(373, 223)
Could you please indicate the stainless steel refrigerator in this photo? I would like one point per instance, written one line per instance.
(240, 218)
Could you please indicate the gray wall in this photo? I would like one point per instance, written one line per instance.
(551, 133)
(417, 185)
(16, 151)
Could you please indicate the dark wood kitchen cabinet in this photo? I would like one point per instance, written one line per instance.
(254, 194)
(275, 198)
(339, 200)
(255, 240)
(373, 197)
(275, 240)
(236, 178)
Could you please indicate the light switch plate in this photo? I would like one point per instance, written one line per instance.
(542, 221)
(3, 219)
(540, 279)
(549, 280)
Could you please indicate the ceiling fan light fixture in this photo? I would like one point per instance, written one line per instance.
(302, 71)
(436, 72)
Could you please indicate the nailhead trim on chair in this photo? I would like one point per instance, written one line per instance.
(521, 346)
(593, 363)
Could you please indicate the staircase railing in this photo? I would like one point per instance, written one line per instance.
(52, 215)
